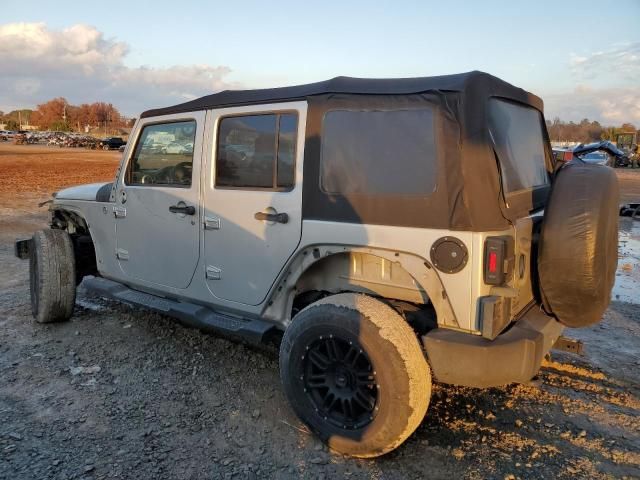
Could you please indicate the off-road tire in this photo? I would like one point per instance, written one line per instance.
(52, 276)
(401, 375)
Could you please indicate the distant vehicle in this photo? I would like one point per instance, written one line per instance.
(626, 140)
(603, 153)
(619, 158)
(562, 154)
(597, 158)
(175, 147)
(112, 143)
(7, 134)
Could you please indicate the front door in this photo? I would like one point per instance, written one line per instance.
(157, 214)
(253, 198)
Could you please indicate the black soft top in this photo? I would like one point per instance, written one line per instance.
(469, 192)
(475, 82)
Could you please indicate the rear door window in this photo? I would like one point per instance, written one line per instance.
(378, 152)
(257, 151)
(518, 138)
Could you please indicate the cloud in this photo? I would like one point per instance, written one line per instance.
(82, 65)
(607, 87)
(609, 106)
(620, 63)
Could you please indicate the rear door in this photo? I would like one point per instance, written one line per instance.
(157, 202)
(253, 198)
(524, 160)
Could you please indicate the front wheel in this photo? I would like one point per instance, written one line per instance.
(52, 276)
(354, 372)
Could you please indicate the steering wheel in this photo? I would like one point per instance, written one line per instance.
(174, 174)
(182, 171)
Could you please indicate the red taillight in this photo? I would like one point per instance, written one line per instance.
(568, 156)
(494, 256)
(493, 262)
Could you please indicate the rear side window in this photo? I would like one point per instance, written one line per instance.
(379, 152)
(518, 138)
(257, 151)
(163, 155)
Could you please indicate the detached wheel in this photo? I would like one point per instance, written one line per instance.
(52, 276)
(354, 372)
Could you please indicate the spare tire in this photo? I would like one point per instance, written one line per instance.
(578, 247)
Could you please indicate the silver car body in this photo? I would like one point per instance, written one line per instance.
(224, 258)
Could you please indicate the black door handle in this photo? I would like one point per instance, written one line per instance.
(187, 210)
(272, 217)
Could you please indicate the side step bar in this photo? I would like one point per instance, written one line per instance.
(189, 314)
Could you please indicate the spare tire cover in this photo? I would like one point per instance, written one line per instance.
(578, 248)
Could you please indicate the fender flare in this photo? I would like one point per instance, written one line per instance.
(280, 299)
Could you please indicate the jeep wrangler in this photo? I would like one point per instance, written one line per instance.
(389, 232)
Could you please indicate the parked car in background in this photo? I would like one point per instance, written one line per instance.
(603, 153)
(597, 158)
(112, 143)
(563, 154)
(7, 134)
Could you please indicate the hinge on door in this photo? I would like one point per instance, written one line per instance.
(122, 254)
(119, 212)
(213, 273)
(211, 223)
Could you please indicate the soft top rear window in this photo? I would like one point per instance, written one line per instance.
(519, 141)
(378, 152)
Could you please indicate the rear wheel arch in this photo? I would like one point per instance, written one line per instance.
(319, 268)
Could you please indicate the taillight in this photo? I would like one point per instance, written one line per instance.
(568, 156)
(494, 254)
(493, 262)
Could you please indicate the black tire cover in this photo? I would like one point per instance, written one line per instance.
(578, 248)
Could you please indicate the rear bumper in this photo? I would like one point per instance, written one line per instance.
(515, 356)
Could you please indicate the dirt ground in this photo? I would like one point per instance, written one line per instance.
(120, 393)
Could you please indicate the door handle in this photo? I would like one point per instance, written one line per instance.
(187, 210)
(272, 217)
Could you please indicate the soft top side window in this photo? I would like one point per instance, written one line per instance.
(257, 151)
(519, 141)
(379, 152)
(163, 155)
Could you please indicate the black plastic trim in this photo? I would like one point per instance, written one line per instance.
(189, 314)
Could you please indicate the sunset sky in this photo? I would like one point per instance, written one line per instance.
(583, 61)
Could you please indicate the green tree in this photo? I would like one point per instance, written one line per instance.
(11, 125)
(60, 126)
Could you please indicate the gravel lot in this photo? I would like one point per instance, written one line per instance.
(120, 393)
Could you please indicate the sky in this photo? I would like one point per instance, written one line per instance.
(584, 62)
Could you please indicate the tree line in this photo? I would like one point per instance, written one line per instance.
(59, 115)
(586, 131)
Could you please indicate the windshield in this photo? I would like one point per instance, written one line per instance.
(516, 132)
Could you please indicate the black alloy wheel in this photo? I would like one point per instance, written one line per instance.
(340, 382)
